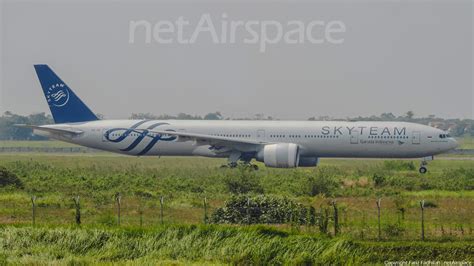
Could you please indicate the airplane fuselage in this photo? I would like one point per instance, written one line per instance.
(314, 138)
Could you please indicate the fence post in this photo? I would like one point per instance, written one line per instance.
(422, 206)
(336, 218)
(118, 199)
(78, 209)
(161, 209)
(378, 215)
(290, 219)
(141, 214)
(248, 210)
(33, 209)
(312, 216)
(205, 210)
(324, 220)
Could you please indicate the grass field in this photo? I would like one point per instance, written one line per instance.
(178, 244)
(37, 144)
(55, 179)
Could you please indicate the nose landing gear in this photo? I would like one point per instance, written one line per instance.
(424, 163)
(423, 170)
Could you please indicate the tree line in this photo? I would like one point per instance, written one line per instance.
(457, 127)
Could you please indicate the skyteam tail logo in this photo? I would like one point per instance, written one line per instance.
(57, 95)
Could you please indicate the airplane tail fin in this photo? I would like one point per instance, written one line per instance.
(65, 106)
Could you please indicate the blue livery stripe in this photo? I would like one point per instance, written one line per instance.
(142, 133)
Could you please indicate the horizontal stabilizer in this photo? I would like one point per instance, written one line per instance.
(54, 130)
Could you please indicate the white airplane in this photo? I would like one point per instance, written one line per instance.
(283, 144)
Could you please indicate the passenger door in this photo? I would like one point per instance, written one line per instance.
(354, 137)
(104, 139)
(416, 137)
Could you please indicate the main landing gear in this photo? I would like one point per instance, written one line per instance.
(424, 163)
(234, 159)
(253, 166)
(234, 165)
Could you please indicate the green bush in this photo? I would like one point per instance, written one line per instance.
(457, 179)
(260, 210)
(8, 178)
(324, 182)
(379, 180)
(401, 203)
(245, 182)
(393, 230)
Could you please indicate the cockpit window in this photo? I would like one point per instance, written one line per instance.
(443, 136)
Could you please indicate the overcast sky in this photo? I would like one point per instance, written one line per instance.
(395, 56)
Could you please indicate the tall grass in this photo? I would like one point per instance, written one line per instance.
(184, 182)
(217, 244)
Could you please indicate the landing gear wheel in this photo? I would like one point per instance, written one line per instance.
(249, 165)
(423, 170)
(229, 165)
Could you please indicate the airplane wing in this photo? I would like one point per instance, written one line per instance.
(52, 130)
(212, 140)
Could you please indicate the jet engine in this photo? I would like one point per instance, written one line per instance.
(281, 155)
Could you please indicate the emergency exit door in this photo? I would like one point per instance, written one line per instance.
(261, 135)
